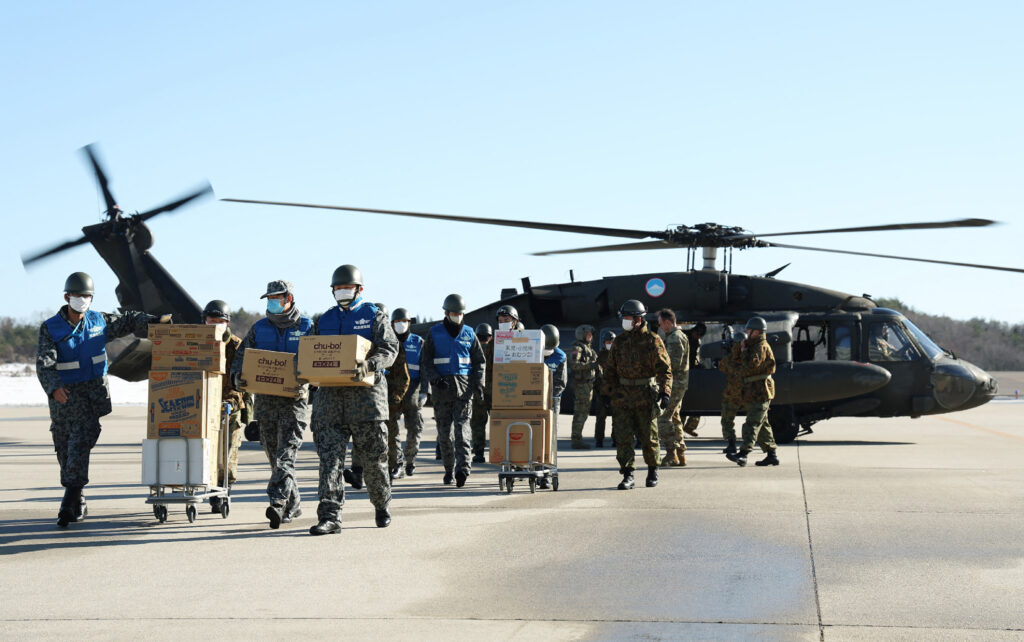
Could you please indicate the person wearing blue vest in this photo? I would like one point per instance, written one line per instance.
(555, 359)
(416, 395)
(454, 364)
(354, 412)
(281, 420)
(71, 364)
(482, 402)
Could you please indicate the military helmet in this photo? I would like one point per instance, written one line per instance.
(739, 336)
(508, 310)
(382, 308)
(218, 310)
(454, 303)
(347, 275)
(484, 330)
(632, 308)
(79, 283)
(550, 336)
(400, 314)
(757, 323)
(581, 331)
(606, 336)
(700, 328)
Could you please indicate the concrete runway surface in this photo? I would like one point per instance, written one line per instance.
(871, 529)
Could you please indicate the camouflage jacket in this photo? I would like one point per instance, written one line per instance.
(87, 400)
(228, 392)
(757, 364)
(398, 377)
(582, 361)
(636, 356)
(602, 363)
(730, 365)
(678, 348)
(488, 349)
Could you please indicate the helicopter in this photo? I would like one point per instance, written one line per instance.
(123, 242)
(837, 354)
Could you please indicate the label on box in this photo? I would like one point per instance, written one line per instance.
(518, 346)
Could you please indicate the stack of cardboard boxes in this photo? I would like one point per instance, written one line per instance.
(184, 402)
(521, 387)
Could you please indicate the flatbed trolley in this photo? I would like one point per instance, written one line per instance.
(534, 471)
(163, 495)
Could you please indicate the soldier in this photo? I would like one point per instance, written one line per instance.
(482, 400)
(71, 364)
(583, 365)
(217, 312)
(879, 347)
(638, 378)
(397, 377)
(732, 395)
(603, 408)
(359, 413)
(670, 424)
(453, 362)
(508, 318)
(281, 420)
(694, 336)
(555, 360)
(756, 365)
(416, 395)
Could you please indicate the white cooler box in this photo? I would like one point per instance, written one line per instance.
(173, 458)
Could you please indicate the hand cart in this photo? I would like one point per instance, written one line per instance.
(163, 495)
(535, 472)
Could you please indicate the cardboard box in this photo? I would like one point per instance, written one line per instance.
(330, 359)
(502, 422)
(269, 373)
(183, 403)
(188, 347)
(521, 385)
(174, 457)
(518, 346)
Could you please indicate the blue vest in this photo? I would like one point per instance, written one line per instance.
(451, 355)
(269, 337)
(358, 319)
(82, 350)
(413, 347)
(556, 359)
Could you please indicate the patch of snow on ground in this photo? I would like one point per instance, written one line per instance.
(19, 387)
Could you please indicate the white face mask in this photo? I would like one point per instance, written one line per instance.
(80, 303)
(455, 318)
(627, 323)
(548, 353)
(344, 295)
(401, 327)
(607, 346)
(504, 326)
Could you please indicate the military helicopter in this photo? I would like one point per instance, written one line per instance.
(123, 241)
(838, 355)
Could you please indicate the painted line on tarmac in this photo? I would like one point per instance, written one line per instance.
(981, 428)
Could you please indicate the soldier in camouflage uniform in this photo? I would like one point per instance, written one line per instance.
(281, 420)
(71, 364)
(756, 366)
(694, 336)
(354, 412)
(638, 378)
(217, 312)
(732, 395)
(670, 424)
(482, 400)
(582, 361)
(603, 406)
(454, 364)
(416, 394)
(398, 385)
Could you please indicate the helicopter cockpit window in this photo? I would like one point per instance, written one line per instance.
(888, 341)
(929, 346)
(842, 343)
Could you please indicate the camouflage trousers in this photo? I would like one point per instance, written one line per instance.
(452, 415)
(413, 419)
(478, 424)
(603, 410)
(369, 438)
(584, 394)
(395, 455)
(73, 443)
(282, 421)
(635, 423)
(691, 423)
(670, 424)
(757, 423)
(234, 443)
(729, 411)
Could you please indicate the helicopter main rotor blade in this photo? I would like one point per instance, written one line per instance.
(207, 189)
(900, 258)
(535, 225)
(963, 222)
(101, 178)
(645, 245)
(28, 260)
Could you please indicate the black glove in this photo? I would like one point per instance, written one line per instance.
(362, 370)
(252, 431)
(440, 384)
(663, 401)
(237, 382)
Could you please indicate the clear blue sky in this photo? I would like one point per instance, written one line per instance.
(773, 116)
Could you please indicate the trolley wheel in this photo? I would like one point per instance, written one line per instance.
(162, 515)
(156, 511)
(501, 484)
(533, 485)
(225, 509)
(190, 512)
(508, 485)
(554, 482)
(215, 504)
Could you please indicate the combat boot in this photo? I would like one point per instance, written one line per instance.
(410, 469)
(771, 460)
(460, 478)
(478, 457)
(275, 514)
(326, 527)
(82, 510)
(652, 476)
(290, 514)
(68, 505)
(356, 478)
(397, 472)
(627, 481)
(740, 458)
(543, 483)
(681, 456)
(383, 517)
(579, 444)
(730, 449)
(670, 458)
(448, 477)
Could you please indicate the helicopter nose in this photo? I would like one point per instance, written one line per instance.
(959, 385)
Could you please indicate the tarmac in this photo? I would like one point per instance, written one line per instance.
(871, 529)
